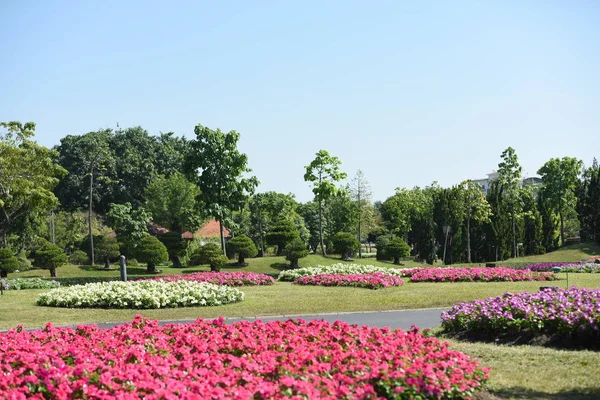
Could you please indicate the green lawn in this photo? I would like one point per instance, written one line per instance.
(571, 253)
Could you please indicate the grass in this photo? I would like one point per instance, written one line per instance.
(531, 372)
(571, 253)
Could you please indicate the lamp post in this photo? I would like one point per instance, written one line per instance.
(446, 232)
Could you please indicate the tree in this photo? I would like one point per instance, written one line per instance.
(396, 212)
(217, 167)
(509, 176)
(310, 214)
(560, 177)
(361, 195)
(244, 247)
(397, 248)
(295, 250)
(130, 225)
(50, 257)
(282, 233)
(152, 252)
(265, 209)
(107, 249)
(28, 174)
(475, 208)
(339, 215)
(345, 244)
(588, 203)
(212, 255)
(323, 172)
(175, 245)
(172, 203)
(8, 262)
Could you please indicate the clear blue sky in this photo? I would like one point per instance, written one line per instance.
(406, 91)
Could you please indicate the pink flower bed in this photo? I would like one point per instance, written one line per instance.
(246, 360)
(498, 274)
(238, 278)
(375, 280)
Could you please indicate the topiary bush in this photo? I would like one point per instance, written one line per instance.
(50, 257)
(397, 248)
(8, 262)
(244, 247)
(380, 243)
(175, 245)
(212, 255)
(294, 251)
(345, 244)
(107, 249)
(152, 252)
(282, 233)
(78, 257)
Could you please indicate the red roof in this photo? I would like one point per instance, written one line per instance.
(211, 229)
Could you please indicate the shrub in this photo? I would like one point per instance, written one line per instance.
(8, 262)
(152, 252)
(175, 245)
(212, 254)
(396, 249)
(24, 263)
(30, 283)
(282, 233)
(345, 244)
(78, 257)
(339, 268)
(107, 249)
(237, 278)
(50, 257)
(380, 243)
(498, 274)
(375, 280)
(294, 251)
(244, 247)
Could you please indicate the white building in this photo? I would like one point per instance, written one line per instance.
(486, 183)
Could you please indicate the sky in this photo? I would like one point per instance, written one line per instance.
(408, 92)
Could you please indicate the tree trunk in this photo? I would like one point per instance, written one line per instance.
(562, 229)
(3, 273)
(222, 236)
(106, 263)
(215, 268)
(241, 260)
(150, 268)
(397, 260)
(294, 263)
(514, 229)
(469, 239)
(260, 235)
(53, 272)
(176, 262)
(321, 228)
(90, 219)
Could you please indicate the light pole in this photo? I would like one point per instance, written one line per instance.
(446, 232)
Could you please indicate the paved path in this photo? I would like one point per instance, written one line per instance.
(403, 319)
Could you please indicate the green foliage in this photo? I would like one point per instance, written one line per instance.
(310, 214)
(282, 233)
(152, 252)
(175, 245)
(243, 246)
(24, 263)
(381, 243)
(397, 249)
(78, 257)
(107, 249)
(50, 257)
(474, 206)
(212, 255)
(345, 244)
(509, 178)
(8, 262)
(172, 203)
(340, 214)
(588, 203)
(295, 250)
(130, 224)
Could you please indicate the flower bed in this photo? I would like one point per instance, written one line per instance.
(375, 280)
(497, 274)
(29, 283)
(239, 278)
(572, 316)
(246, 360)
(338, 269)
(140, 295)
(566, 267)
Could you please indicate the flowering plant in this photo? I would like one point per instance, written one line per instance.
(140, 294)
(29, 283)
(237, 278)
(497, 274)
(246, 360)
(374, 280)
(339, 268)
(566, 267)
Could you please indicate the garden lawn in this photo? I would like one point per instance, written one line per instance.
(571, 253)
(283, 298)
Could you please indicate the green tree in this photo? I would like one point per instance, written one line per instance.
(360, 191)
(176, 246)
(172, 203)
(28, 174)
(339, 215)
(323, 172)
(244, 247)
(310, 214)
(295, 250)
(152, 252)
(475, 207)
(588, 203)
(107, 249)
(560, 177)
(396, 249)
(218, 168)
(8, 262)
(532, 223)
(345, 244)
(282, 233)
(130, 225)
(396, 211)
(265, 209)
(212, 255)
(50, 257)
(509, 176)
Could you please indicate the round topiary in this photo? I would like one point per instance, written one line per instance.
(212, 255)
(152, 252)
(282, 233)
(294, 251)
(50, 257)
(244, 247)
(175, 245)
(78, 257)
(8, 262)
(397, 248)
(107, 249)
(345, 244)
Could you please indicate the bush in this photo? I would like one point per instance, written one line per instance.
(78, 257)
(152, 252)
(8, 262)
(30, 283)
(294, 251)
(396, 249)
(212, 255)
(381, 243)
(244, 247)
(24, 263)
(282, 233)
(345, 244)
(50, 257)
(175, 245)
(339, 269)
(107, 249)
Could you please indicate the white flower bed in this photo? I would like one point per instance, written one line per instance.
(140, 294)
(339, 268)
